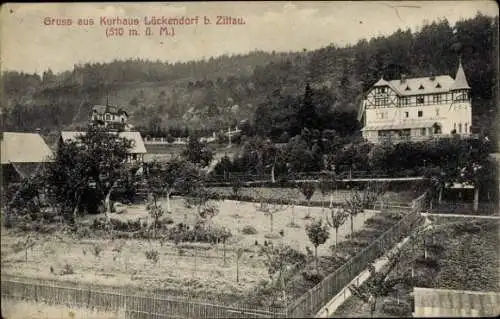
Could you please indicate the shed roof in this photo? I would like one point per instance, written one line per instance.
(137, 141)
(455, 303)
(24, 148)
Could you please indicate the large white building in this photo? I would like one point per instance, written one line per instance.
(417, 108)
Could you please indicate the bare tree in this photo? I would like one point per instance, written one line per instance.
(270, 209)
(353, 205)
(239, 254)
(338, 218)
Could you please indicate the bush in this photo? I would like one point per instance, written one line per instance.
(199, 233)
(67, 270)
(249, 230)
(152, 255)
(312, 276)
(400, 310)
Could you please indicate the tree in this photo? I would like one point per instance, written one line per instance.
(96, 159)
(222, 235)
(378, 285)
(239, 254)
(269, 210)
(353, 205)
(291, 197)
(307, 115)
(338, 218)
(197, 152)
(326, 186)
(318, 234)
(308, 189)
(281, 260)
(175, 175)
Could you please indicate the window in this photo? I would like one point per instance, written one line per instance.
(407, 114)
(459, 127)
(437, 111)
(465, 127)
(381, 101)
(420, 113)
(108, 117)
(420, 100)
(436, 98)
(382, 90)
(455, 126)
(405, 101)
(423, 131)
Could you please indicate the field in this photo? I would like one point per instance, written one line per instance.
(17, 309)
(195, 268)
(463, 255)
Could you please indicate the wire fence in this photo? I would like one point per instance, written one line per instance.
(134, 305)
(312, 301)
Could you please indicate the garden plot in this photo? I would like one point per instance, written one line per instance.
(198, 268)
(462, 254)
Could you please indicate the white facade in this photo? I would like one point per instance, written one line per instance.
(417, 108)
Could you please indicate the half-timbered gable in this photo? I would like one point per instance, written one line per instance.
(417, 108)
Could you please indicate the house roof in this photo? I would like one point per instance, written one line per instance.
(102, 109)
(424, 85)
(24, 148)
(455, 303)
(137, 144)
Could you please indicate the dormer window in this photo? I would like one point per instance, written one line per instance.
(438, 86)
(421, 87)
(407, 88)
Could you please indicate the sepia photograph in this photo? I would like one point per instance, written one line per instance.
(249, 159)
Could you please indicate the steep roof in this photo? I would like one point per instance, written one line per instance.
(24, 148)
(381, 82)
(423, 85)
(137, 142)
(460, 79)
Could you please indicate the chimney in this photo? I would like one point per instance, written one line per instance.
(38, 130)
(432, 77)
(403, 78)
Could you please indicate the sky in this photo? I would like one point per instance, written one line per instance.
(28, 44)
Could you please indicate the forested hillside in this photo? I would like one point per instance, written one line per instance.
(213, 93)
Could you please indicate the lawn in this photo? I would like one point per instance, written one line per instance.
(463, 255)
(195, 268)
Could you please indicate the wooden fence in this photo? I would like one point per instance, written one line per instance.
(135, 305)
(312, 301)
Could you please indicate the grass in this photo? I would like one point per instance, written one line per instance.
(462, 256)
(197, 269)
(19, 309)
